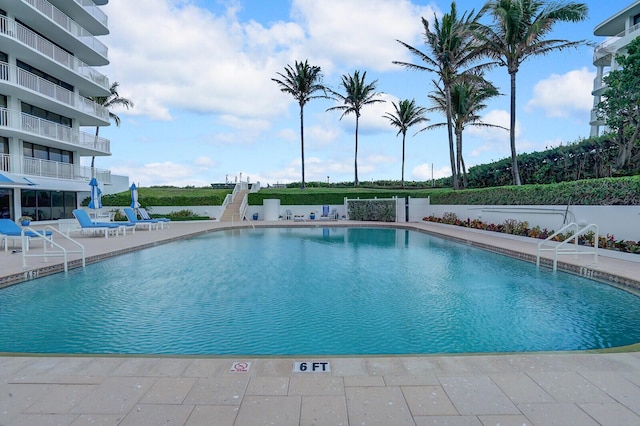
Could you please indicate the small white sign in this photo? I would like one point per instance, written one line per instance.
(311, 367)
(240, 367)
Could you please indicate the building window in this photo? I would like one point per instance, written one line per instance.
(44, 75)
(4, 154)
(45, 115)
(48, 205)
(42, 152)
(636, 19)
(6, 202)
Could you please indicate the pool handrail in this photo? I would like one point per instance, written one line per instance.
(49, 239)
(557, 249)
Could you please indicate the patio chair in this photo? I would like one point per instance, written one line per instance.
(133, 218)
(86, 225)
(145, 216)
(9, 230)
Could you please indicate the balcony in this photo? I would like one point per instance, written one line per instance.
(29, 166)
(90, 80)
(87, 14)
(53, 134)
(51, 96)
(61, 19)
(611, 45)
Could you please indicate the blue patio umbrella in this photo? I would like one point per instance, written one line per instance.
(134, 196)
(96, 199)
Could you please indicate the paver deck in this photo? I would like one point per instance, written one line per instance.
(572, 388)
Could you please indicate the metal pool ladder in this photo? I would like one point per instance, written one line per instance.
(560, 247)
(49, 241)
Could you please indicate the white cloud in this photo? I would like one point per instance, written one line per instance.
(202, 62)
(361, 33)
(424, 172)
(195, 60)
(320, 135)
(564, 96)
(205, 162)
(166, 173)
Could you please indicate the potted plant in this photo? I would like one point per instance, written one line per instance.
(25, 220)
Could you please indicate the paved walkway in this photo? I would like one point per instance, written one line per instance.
(505, 389)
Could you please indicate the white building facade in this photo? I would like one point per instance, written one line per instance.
(620, 29)
(50, 53)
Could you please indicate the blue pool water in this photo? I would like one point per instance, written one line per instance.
(314, 291)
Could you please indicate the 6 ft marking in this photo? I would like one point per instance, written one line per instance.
(311, 367)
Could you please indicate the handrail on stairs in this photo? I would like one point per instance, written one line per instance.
(47, 252)
(558, 248)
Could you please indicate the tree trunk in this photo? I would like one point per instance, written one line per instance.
(355, 163)
(462, 171)
(303, 185)
(452, 156)
(515, 173)
(93, 158)
(404, 134)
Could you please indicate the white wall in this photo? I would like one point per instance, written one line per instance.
(621, 221)
(297, 210)
(210, 211)
(118, 184)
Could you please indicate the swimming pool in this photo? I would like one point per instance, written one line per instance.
(314, 291)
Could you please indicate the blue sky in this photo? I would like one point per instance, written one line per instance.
(199, 73)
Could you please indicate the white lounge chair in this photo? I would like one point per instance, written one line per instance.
(161, 220)
(9, 230)
(133, 218)
(87, 225)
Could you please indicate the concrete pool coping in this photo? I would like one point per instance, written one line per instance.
(480, 389)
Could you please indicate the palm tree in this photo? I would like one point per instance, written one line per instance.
(108, 102)
(407, 114)
(357, 94)
(468, 95)
(301, 81)
(451, 48)
(517, 34)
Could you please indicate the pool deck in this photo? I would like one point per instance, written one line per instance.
(571, 388)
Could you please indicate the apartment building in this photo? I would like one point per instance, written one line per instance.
(620, 29)
(50, 54)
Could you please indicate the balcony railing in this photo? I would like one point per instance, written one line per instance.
(53, 169)
(606, 48)
(40, 44)
(600, 83)
(46, 88)
(71, 26)
(94, 11)
(28, 123)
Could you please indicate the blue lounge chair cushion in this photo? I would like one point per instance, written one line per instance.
(10, 228)
(145, 216)
(85, 221)
(131, 215)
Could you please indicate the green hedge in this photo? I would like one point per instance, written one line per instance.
(372, 210)
(166, 197)
(322, 196)
(623, 191)
(598, 192)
